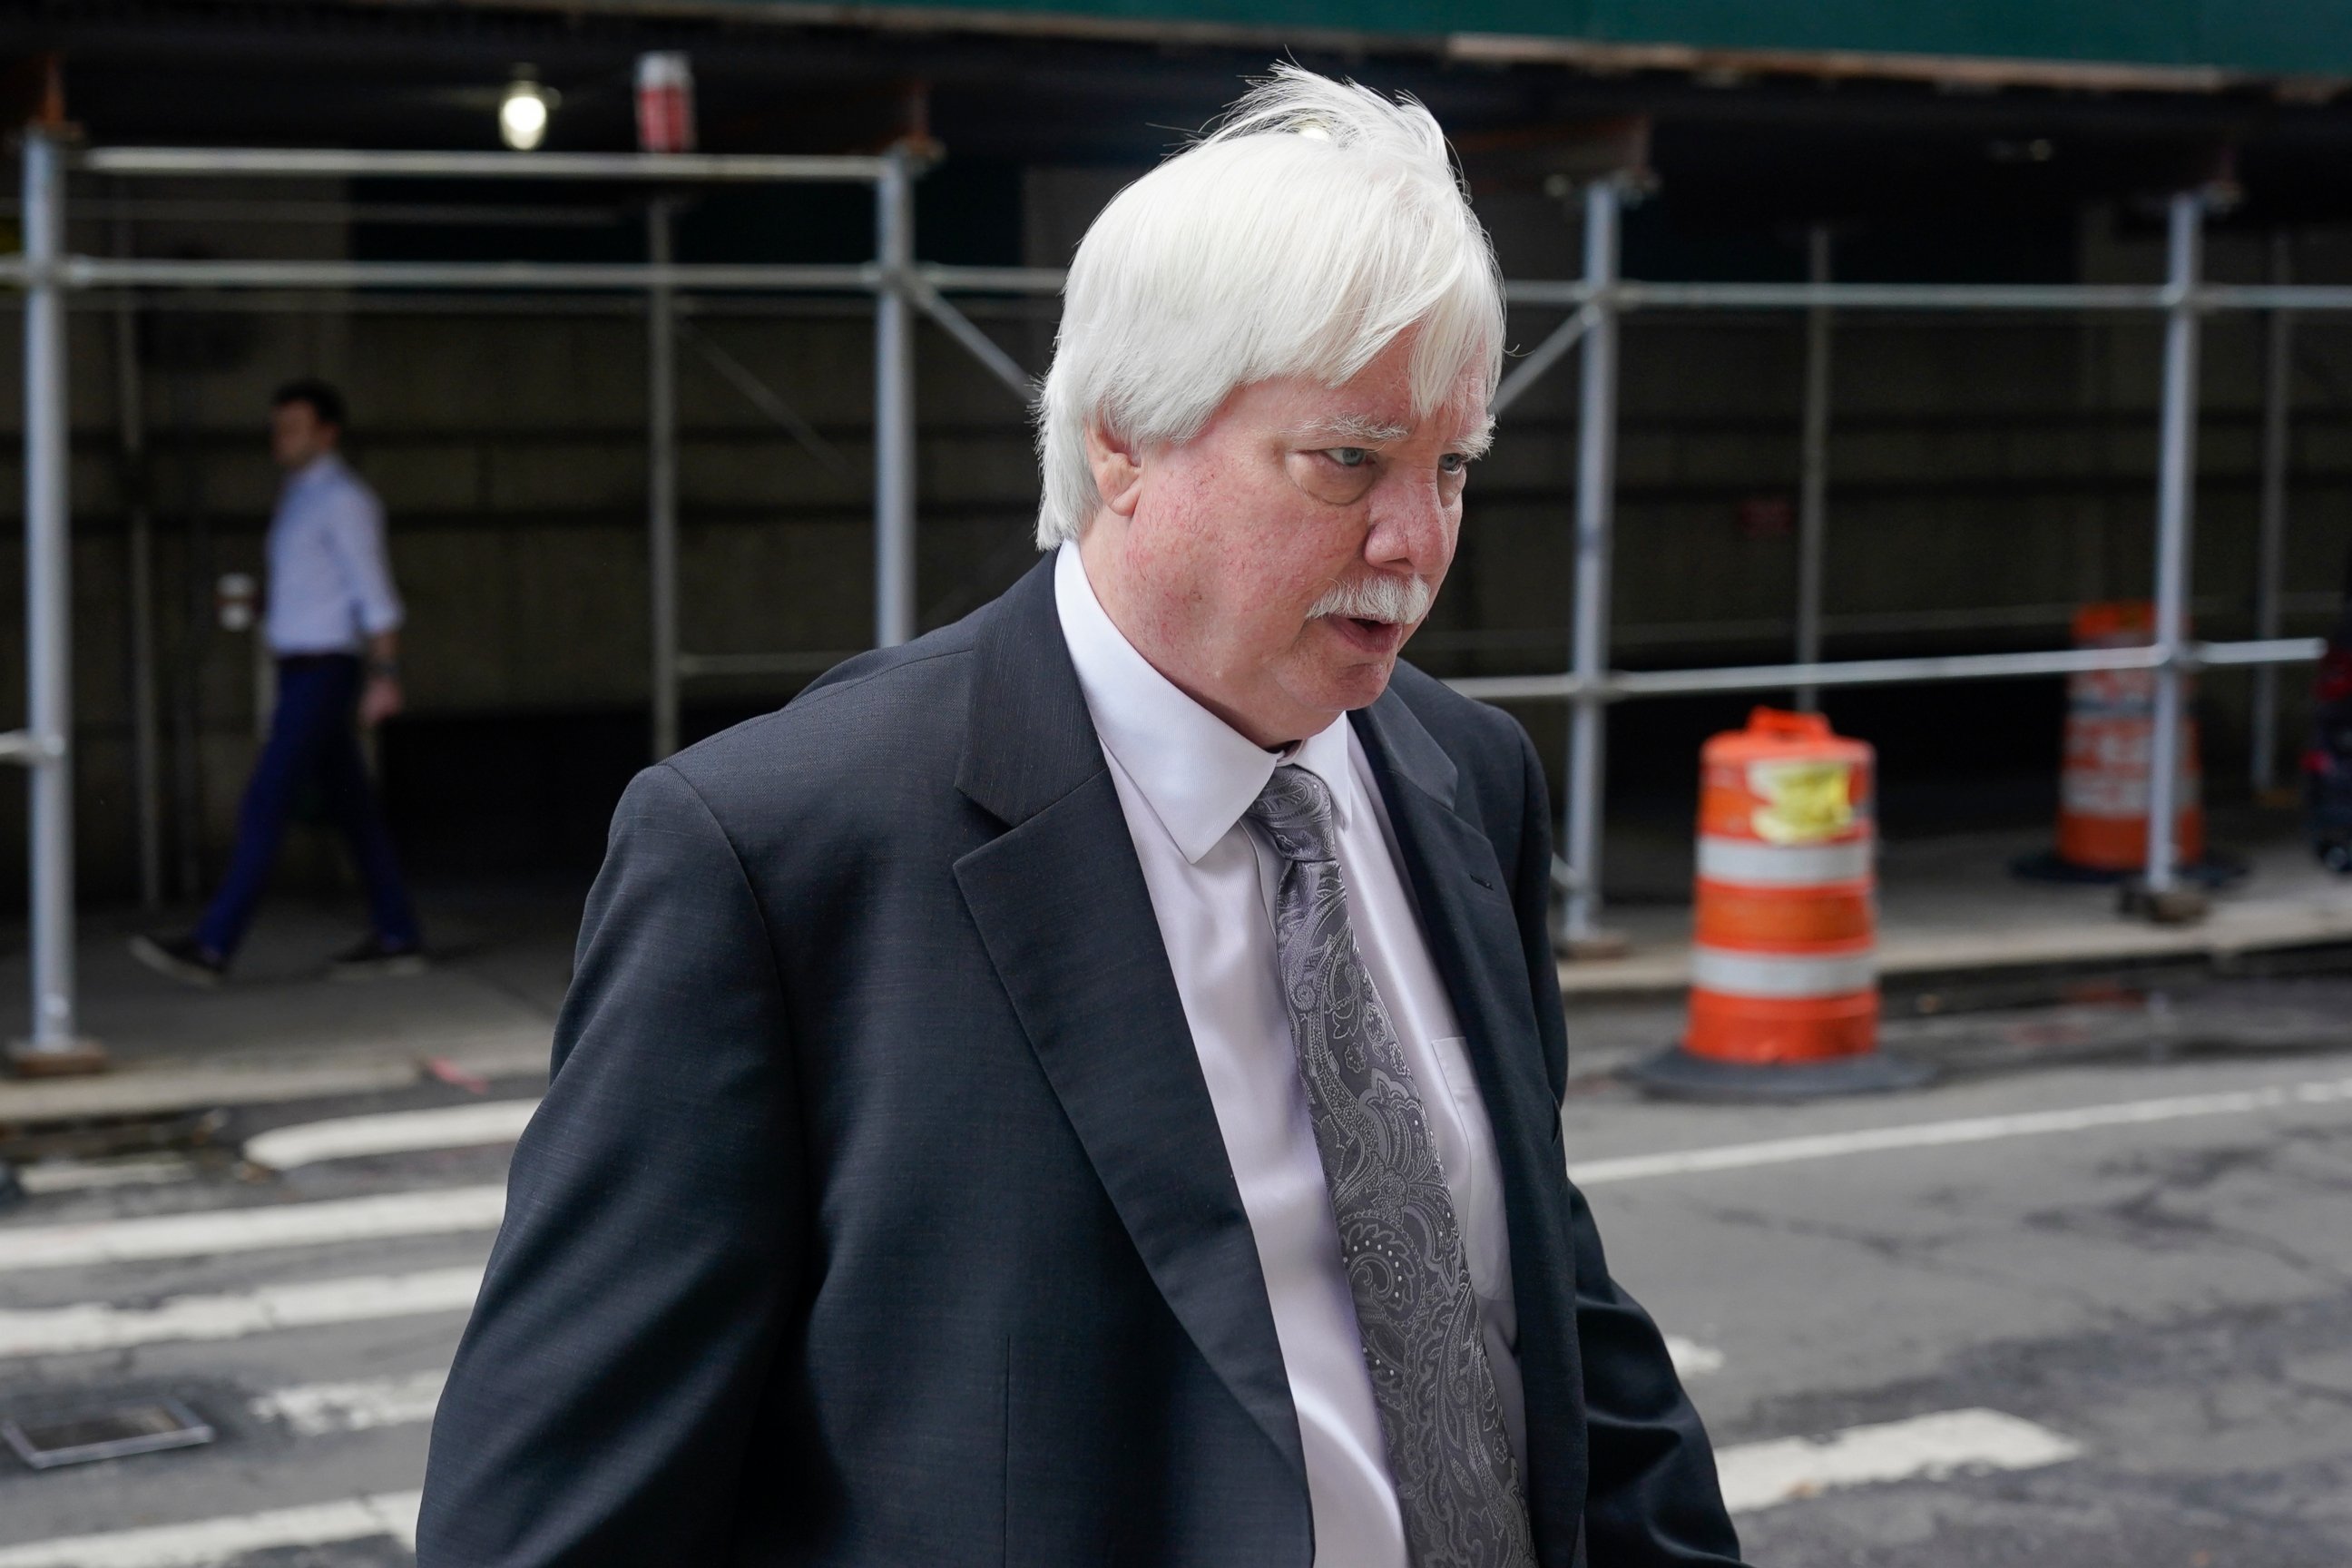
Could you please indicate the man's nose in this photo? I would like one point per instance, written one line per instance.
(1412, 526)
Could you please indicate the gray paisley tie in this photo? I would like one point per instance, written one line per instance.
(1399, 1241)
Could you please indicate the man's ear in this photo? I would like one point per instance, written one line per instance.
(1118, 469)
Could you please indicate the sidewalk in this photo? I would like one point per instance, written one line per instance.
(281, 1029)
(1949, 907)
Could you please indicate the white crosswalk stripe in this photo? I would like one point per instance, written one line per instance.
(213, 1232)
(44, 1177)
(391, 1132)
(1691, 1358)
(1763, 1475)
(315, 1409)
(102, 1326)
(208, 1542)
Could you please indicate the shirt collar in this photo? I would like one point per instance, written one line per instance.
(324, 466)
(1197, 772)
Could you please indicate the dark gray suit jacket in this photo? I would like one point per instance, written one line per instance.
(878, 1213)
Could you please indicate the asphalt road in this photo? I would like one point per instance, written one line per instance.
(2081, 1316)
(2166, 1297)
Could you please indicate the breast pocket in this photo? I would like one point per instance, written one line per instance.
(1465, 1145)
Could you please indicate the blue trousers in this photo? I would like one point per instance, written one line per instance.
(313, 736)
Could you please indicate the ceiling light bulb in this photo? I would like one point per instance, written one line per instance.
(522, 115)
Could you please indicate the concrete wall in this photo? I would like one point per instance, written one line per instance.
(2001, 467)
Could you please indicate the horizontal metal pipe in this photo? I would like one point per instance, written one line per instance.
(1934, 297)
(1896, 295)
(308, 163)
(1763, 628)
(298, 211)
(1622, 684)
(90, 271)
(24, 749)
(2274, 297)
(992, 279)
(94, 272)
(2266, 651)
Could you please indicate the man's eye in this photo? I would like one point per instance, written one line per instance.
(1350, 457)
(1454, 463)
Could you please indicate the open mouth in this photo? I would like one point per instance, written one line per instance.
(1368, 634)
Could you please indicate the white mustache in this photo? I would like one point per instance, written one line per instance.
(1399, 600)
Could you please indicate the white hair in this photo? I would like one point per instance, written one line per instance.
(1313, 226)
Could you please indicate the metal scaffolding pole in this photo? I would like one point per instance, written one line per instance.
(1596, 483)
(2175, 518)
(2270, 559)
(1814, 462)
(894, 403)
(55, 1043)
(661, 482)
(146, 747)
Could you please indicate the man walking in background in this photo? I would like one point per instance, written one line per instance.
(333, 627)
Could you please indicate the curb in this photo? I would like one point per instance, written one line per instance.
(192, 1086)
(1663, 975)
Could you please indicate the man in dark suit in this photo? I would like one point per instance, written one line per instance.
(1083, 1088)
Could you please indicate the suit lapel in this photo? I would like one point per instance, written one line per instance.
(1061, 908)
(1475, 941)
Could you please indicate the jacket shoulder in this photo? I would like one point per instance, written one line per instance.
(861, 738)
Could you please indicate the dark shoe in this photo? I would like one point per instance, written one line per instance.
(183, 958)
(376, 959)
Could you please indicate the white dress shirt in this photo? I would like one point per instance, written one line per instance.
(330, 585)
(1184, 780)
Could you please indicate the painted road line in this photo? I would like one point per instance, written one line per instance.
(213, 1232)
(1691, 1358)
(97, 1326)
(391, 1132)
(1966, 1129)
(319, 1409)
(208, 1542)
(1928, 1447)
(45, 1176)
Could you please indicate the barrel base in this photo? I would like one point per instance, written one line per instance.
(1676, 1074)
(2216, 870)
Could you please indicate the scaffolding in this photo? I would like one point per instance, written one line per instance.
(900, 286)
(1589, 685)
(47, 273)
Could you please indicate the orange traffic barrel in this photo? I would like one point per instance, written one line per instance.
(2103, 782)
(2103, 786)
(1784, 981)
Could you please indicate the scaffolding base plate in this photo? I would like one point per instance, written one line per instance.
(1597, 946)
(1675, 1074)
(74, 1058)
(2173, 907)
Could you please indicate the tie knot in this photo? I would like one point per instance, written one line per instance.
(1295, 809)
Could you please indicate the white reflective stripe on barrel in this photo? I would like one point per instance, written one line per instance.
(2088, 792)
(1780, 977)
(1724, 859)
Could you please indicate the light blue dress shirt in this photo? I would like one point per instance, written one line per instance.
(329, 581)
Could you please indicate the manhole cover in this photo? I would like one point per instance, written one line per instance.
(110, 1432)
